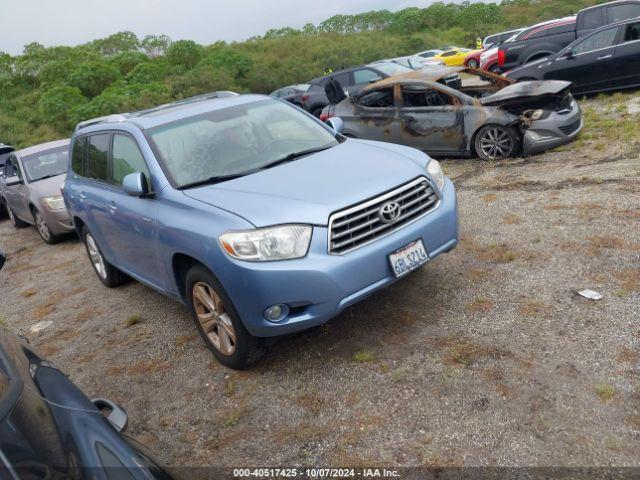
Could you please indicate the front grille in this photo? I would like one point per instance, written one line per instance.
(361, 224)
(569, 129)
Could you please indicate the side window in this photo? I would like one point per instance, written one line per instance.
(12, 168)
(382, 98)
(448, 54)
(591, 19)
(632, 33)
(365, 76)
(416, 97)
(126, 159)
(596, 41)
(623, 12)
(344, 79)
(97, 161)
(77, 155)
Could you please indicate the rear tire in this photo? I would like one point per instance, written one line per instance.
(43, 228)
(109, 275)
(17, 223)
(218, 322)
(497, 142)
(495, 69)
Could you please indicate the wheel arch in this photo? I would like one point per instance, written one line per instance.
(181, 263)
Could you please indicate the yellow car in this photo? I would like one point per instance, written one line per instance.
(454, 57)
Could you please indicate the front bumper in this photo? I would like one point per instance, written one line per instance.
(58, 221)
(557, 129)
(318, 287)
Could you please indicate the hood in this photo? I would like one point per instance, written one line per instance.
(309, 189)
(48, 187)
(526, 91)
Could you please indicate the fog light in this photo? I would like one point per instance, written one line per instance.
(276, 313)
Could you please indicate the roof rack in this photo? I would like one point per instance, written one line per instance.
(118, 117)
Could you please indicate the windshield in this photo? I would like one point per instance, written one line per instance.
(236, 140)
(46, 164)
(391, 68)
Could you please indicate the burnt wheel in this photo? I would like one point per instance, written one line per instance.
(218, 322)
(497, 142)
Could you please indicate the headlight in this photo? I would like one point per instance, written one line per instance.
(535, 114)
(54, 203)
(435, 171)
(284, 242)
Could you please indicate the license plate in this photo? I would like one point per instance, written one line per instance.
(408, 258)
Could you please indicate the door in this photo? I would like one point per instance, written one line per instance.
(431, 120)
(17, 196)
(627, 56)
(376, 116)
(133, 231)
(589, 63)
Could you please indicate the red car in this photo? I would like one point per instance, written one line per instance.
(473, 59)
(489, 60)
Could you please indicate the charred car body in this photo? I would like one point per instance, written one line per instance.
(484, 114)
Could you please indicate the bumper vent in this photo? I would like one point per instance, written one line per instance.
(361, 224)
(571, 128)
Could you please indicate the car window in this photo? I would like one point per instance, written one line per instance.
(126, 158)
(77, 155)
(382, 98)
(46, 164)
(97, 160)
(12, 168)
(448, 54)
(235, 140)
(597, 41)
(623, 12)
(416, 97)
(365, 76)
(344, 78)
(591, 19)
(632, 33)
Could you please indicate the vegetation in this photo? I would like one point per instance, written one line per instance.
(45, 91)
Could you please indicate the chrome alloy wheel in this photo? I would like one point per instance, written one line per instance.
(96, 257)
(496, 143)
(215, 322)
(42, 227)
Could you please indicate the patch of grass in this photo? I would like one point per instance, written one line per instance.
(489, 197)
(229, 387)
(146, 367)
(605, 392)
(28, 293)
(532, 308)
(461, 351)
(364, 356)
(605, 241)
(133, 320)
(233, 418)
(629, 280)
(512, 219)
(493, 252)
(627, 355)
(3, 322)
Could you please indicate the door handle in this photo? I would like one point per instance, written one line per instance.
(82, 195)
(605, 57)
(112, 207)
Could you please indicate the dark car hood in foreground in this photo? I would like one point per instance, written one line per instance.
(309, 189)
(526, 91)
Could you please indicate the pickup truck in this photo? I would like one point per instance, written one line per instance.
(547, 38)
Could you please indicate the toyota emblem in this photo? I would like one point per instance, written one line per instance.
(389, 212)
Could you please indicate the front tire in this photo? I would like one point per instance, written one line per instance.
(110, 276)
(17, 223)
(473, 63)
(43, 228)
(497, 142)
(218, 322)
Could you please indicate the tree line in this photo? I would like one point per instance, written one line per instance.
(45, 91)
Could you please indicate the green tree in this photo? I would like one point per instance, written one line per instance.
(148, 72)
(93, 77)
(57, 104)
(117, 43)
(155, 45)
(127, 61)
(185, 53)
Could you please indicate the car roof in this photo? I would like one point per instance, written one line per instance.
(608, 4)
(170, 112)
(41, 147)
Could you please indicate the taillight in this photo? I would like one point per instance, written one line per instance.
(501, 57)
(324, 117)
(327, 113)
(305, 97)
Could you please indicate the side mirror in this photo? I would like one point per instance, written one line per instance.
(12, 181)
(336, 123)
(571, 55)
(115, 414)
(135, 184)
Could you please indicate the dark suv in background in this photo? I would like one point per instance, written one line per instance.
(547, 38)
(352, 80)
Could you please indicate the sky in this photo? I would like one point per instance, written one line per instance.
(71, 22)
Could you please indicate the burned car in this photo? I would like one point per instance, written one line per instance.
(460, 112)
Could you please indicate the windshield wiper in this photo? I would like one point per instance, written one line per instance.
(295, 155)
(224, 178)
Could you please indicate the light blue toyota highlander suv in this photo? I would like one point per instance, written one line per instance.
(258, 217)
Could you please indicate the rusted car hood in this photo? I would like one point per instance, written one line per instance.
(526, 91)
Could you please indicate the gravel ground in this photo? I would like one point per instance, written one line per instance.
(484, 357)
